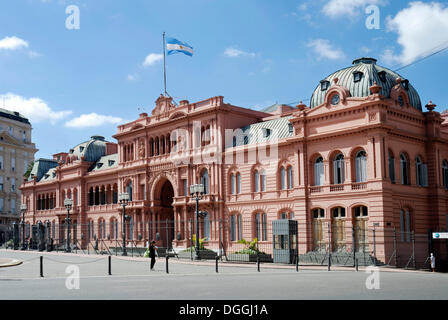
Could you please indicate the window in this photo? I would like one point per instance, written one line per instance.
(13, 184)
(286, 216)
(13, 206)
(1, 183)
(405, 225)
(232, 183)
(318, 214)
(256, 181)
(361, 167)
(238, 183)
(13, 164)
(11, 130)
(129, 190)
(319, 172)
(24, 136)
(405, 84)
(290, 180)
(1, 204)
(361, 211)
(205, 181)
(382, 75)
(324, 85)
(445, 173)
(290, 128)
(357, 76)
(391, 167)
(1, 162)
(422, 173)
(404, 169)
(185, 185)
(282, 178)
(266, 132)
(338, 169)
(207, 226)
(263, 181)
(261, 226)
(235, 227)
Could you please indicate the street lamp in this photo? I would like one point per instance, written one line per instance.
(68, 203)
(23, 208)
(374, 242)
(197, 191)
(123, 198)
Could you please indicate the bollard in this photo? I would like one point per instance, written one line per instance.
(167, 257)
(297, 263)
(356, 264)
(329, 262)
(110, 265)
(41, 266)
(258, 263)
(217, 258)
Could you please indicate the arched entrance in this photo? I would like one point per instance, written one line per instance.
(163, 205)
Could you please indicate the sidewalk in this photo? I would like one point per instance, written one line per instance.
(221, 263)
(8, 262)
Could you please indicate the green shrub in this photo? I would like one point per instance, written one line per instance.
(251, 247)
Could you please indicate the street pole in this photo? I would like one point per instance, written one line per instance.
(68, 203)
(23, 208)
(124, 230)
(197, 257)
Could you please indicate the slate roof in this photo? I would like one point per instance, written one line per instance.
(106, 162)
(41, 167)
(371, 73)
(257, 133)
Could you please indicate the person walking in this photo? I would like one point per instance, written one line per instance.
(433, 262)
(153, 254)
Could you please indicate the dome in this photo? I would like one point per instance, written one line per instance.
(360, 77)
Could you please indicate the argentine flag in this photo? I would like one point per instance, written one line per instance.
(175, 46)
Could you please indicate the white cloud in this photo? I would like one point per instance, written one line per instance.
(421, 28)
(12, 43)
(35, 109)
(234, 53)
(152, 58)
(324, 49)
(93, 120)
(132, 77)
(342, 8)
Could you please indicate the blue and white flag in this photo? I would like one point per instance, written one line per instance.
(175, 46)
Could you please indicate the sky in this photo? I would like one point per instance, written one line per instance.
(75, 78)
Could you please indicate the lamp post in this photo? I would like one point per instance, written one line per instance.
(124, 200)
(23, 208)
(197, 191)
(374, 242)
(68, 203)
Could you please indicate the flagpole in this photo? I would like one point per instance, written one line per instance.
(164, 63)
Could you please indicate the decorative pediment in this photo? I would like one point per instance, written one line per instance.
(6, 138)
(163, 105)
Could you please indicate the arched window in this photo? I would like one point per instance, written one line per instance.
(361, 231)
(286, 216)
(391, 167)
(445, 173)
(282, 178)
(339, 169)
(361, 166)
(290, 178)
(232, 183)
(404, 169)
(256, 181)
(319, 172)
(205, 180)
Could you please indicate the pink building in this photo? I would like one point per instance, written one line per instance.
(361, 169)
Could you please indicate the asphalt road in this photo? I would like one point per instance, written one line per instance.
(131, 279)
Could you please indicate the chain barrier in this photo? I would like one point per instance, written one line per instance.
(68, 262)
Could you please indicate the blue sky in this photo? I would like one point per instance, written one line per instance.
(73, 84)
